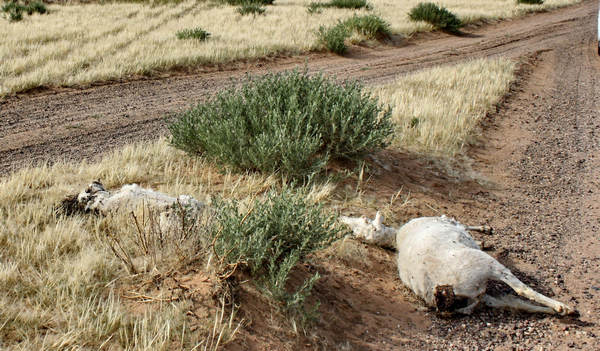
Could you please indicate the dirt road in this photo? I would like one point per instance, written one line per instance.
(80, 123)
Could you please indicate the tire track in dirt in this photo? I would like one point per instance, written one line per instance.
(82, 123)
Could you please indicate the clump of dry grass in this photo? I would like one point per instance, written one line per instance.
(436, 111)
(83, 43)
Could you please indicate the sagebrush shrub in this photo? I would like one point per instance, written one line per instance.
(287, 122)
(251, 9)
(435, 15)
(370, 26)
(195, 33)
(334, 38)
(269, 238)
(530, 2)
(14, 9)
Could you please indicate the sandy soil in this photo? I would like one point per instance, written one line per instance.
(536, 182)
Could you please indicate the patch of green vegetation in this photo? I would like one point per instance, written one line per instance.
(370, 26)
(530, 2)
(195, 33)
(14, 9)
(268, 239)
(435, 15)
(341, 4)
(251, 9)
(288, 123)
(334, 38)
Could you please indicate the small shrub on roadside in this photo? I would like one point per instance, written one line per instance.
(195, 33)
(530, 2)
(370, 26)
(14, 9)
(340, 4)
(251, 9)
(288, 122)
(269, 239)
(334, 38)
(437, 16)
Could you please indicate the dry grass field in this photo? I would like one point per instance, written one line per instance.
(437, 111)
(61, 287)
(83, 43)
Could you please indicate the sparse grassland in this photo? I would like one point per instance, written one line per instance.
(61, 287)
(83, 43)
(436, 111)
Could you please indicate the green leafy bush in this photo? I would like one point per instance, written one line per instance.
(370, 26)
(195, 33)
(14, 9)
(251, 9)
(437, 16)
(269, 239)
(288, 122)
(334, 38)
(530, 2)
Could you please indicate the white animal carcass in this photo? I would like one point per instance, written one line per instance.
(441, 263)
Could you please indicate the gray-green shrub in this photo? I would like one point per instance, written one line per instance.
(342, 4)
(14, 9)
(288, 122)
(334, 38)
(251, 9)
(370, 26)
(195, 33)
(435, 15)
(269, 238)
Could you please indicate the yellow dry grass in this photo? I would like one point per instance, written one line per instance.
(59, 283)
(79, 44)
(437, 111)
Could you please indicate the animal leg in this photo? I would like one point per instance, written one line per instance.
(468, 309)
(520, 288)
(485, 229)
(511, 302)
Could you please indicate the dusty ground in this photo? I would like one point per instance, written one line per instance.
(538, 185)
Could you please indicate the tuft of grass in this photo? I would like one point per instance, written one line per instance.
(269, 238)
(435, 15)
(195, 33)
(530, 2)
(290, 123)
(251, 9)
